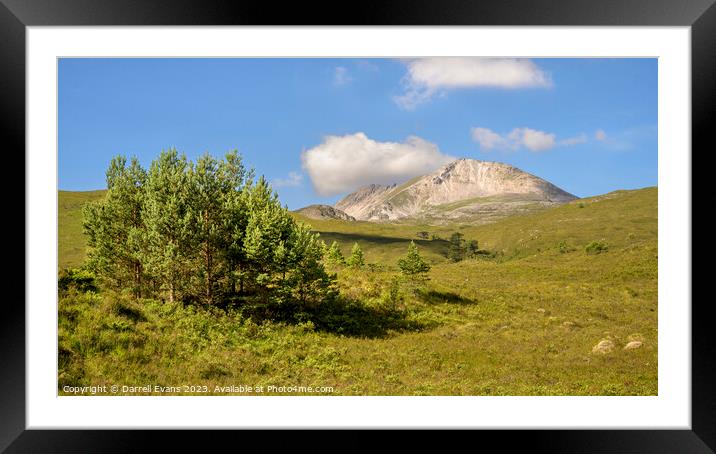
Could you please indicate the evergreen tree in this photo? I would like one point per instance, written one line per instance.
(196, 228)
(334, 256)
(171, 240)
(236, 179)
(307, 282)
(213, 185)
(356, 259)
(413, 267)
(115, 227)
(456, 250)
(413, 263)
(268, 229)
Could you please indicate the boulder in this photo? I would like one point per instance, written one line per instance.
(632, 345)
(603, 347)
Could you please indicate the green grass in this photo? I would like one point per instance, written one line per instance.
(71, 242)
(520, 323)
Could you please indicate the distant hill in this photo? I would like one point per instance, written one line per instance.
(71, 240)
(623, 219)
(461, 189)
(324, 212)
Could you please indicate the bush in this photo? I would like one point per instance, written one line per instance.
(391, 297)
(76, 278)
(596, 247)
(564, 248)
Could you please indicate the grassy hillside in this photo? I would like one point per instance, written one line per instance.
(71, 242)
(621, 219)
(520, 322)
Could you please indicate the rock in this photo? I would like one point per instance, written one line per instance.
(603, 347)
(324, 212)
(632, 345)
(460, 188)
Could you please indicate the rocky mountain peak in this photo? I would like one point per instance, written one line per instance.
(461, 180)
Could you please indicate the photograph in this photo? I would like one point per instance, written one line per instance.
(357, 226)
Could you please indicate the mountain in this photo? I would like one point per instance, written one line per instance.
(324, 212)
(466, 188)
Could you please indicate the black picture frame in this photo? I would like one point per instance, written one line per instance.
(16, 15)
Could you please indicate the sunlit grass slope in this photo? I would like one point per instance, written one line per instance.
(71, 242)
(521, 321)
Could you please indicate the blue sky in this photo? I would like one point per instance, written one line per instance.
(317, 128)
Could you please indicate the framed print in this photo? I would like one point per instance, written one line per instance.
(427, 217)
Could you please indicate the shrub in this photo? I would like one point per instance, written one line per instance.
(77, 278)
(564, 248)
(596, 247)
(391, 297)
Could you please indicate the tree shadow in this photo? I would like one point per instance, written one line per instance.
(337, 316)
(355, 319)
(435, 297)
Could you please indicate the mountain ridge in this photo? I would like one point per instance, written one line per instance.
(319, 211)
(494, 186)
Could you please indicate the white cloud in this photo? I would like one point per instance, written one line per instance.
(600, 135)
(488, 139)
(518, 138)
(341, 76)
(343, 163)
(532, 139)
(294, 179)
(427, 76)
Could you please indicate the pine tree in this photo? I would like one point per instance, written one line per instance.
(356, 259)
(413, 267)
(115, 227)
(213, 184)
(195, 227)
(456, 250)
(334, 256)
(236, 217)
(307, 281)
(171, 234)
(268, 229)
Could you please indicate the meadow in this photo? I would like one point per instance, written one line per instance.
(520, 319)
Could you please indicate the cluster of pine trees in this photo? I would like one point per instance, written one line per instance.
(201, 231)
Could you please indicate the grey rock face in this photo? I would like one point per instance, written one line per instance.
(473, 182)
(324, 212)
